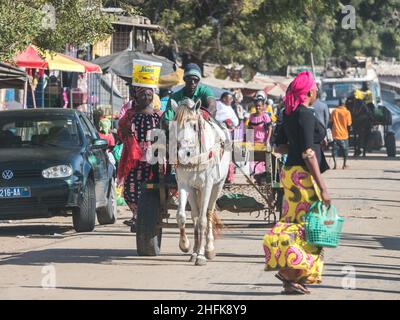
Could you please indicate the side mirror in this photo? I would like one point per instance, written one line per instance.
(100, 144)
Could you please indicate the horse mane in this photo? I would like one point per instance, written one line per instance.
(185, 114)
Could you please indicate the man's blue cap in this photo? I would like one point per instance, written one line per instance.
(192, 69)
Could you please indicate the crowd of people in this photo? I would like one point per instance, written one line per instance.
(299, 126)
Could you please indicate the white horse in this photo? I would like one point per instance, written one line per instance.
(203, 163)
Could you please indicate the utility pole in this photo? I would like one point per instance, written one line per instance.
(312, 63)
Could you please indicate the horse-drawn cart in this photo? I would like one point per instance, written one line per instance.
(160, 196)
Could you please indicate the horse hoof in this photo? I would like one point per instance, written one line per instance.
(210, 254)
(201, 261)
(193, 257)
(185, 247)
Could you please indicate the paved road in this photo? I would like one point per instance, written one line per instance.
(104, 264)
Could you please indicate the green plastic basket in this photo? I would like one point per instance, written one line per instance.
(324, 226)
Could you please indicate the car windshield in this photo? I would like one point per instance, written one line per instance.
(342, 90)
(39, 131)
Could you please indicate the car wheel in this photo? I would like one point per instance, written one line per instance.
(108, 214)
(84, 217)
(148, 229)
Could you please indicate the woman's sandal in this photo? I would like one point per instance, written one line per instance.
(289, 291)
(296, 288)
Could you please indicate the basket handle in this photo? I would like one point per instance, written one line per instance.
(317, 204)
(323, 209)
(332, 212)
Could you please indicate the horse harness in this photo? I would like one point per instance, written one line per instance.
(206, 159)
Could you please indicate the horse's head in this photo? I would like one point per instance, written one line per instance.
(189, 124)
(186, 111)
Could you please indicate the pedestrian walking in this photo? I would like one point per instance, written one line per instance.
(341, 121)
(133, 168)
(321, 111)
(285, 246)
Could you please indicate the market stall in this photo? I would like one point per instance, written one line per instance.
(54, 88)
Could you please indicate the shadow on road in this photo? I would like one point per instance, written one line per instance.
(153, 290)
(67, 256)
(36, 230)
(313, 288)
(107, 256)
(365, 199)
(365, 240)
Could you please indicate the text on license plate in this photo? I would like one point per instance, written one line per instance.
(15, 192)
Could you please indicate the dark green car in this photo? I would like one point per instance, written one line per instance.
(52, 162)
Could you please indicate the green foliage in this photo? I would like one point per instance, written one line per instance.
(20, 24)
(76, 22)
(267, 34)
(376, 33)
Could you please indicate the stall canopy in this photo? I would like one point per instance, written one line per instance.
(11, 77)
(172, 79)
(33, 58)
(121, 63)
(276, 89)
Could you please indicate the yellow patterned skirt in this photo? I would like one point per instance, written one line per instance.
(285, 246)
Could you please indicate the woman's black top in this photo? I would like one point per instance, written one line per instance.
(302, 131)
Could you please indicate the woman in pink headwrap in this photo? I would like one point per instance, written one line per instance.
(133, 169)
(285, 245)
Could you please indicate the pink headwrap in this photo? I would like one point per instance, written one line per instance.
(296, 94)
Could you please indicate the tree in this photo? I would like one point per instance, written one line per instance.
(20, 24)
(376, 33)
(76, 22)
(266, 34)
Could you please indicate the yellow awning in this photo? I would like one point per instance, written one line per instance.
(58, 62)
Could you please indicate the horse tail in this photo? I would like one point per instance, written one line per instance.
(216, 223)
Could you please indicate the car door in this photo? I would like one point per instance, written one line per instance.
(98, 160)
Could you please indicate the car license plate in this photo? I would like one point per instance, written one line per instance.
(15, 192)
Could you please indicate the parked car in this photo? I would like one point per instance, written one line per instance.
(52, 162)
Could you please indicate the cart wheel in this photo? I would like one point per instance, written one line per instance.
(148, 228)
(390, 142)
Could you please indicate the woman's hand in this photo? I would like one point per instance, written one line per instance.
(326, 198)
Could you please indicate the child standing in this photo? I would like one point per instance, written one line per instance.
(260, 122)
